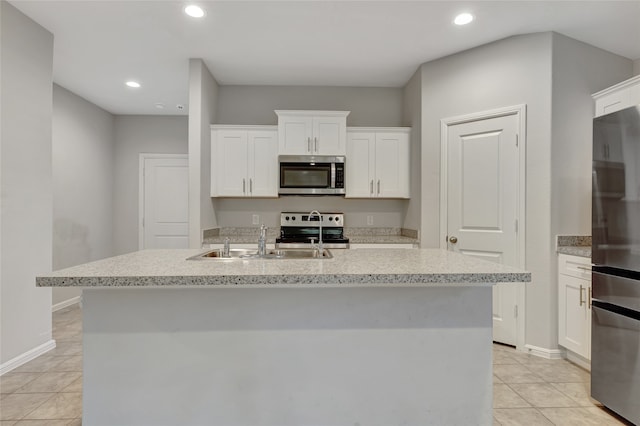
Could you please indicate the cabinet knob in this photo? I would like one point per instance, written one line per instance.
(453, 240)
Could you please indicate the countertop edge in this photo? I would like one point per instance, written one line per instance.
(301, 281)
(579, 251)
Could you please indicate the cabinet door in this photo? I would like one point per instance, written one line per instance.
(329, 135)
(360, 163)
(574, 314)
(263, 163)
(295, 135)
(231, 163)
(392, 165)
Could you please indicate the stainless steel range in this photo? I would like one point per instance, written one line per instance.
(302, 229)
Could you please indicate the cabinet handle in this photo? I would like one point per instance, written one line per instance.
(309, 144)
(244, 186)
(584, 268)
(371, 187)
(581, 299)
(251, 185)
(378, 186)
(315, 141)
(589, 297)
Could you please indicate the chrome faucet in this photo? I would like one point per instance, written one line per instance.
(262, 241)
(225, 249)
(317, 213)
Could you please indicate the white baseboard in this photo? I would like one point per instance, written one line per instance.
(578, 360)
(544, 352)
(27, 356)
(65, 303)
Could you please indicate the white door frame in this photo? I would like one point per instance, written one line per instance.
(141, 159)
(520, 111)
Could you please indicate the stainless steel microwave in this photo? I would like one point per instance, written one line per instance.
(311, 175)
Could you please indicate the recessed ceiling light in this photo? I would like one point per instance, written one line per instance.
(463, 19)
(159, 105)
(133, 84)
(194, 11)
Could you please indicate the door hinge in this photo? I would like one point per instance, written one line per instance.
(517, 139)
(515, 311)
(516, 225)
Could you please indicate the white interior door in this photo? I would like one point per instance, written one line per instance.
(165, 202)
(482, 204)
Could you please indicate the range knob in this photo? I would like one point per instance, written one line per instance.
(286, 218)
(293, 218)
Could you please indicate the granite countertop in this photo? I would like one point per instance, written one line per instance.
(360, 268)
(574, 245)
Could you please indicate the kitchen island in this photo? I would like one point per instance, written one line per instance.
(369, 337)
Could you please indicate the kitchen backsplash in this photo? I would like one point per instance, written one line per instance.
(358, 212)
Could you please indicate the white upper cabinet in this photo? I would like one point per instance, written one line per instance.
(620, 96)
(244, 161)
(312, 132)
(377, 164)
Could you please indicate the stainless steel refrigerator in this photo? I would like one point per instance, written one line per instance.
(615, 332)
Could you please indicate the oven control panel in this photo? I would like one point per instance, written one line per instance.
(305, 219)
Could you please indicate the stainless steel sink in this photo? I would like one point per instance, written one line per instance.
(282, 253)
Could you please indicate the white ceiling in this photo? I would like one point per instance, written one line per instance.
(101, 44)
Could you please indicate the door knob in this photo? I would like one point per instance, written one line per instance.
(453, 240)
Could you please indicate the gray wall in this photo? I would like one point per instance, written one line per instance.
(135, 135)
(554, 76)
(516, 70)
(255, 104)
(412, 113)
(83, 163)
(203, 98)
(26, 60)
(579, 70)
(636, 67)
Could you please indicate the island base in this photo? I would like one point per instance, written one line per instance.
(288, 356)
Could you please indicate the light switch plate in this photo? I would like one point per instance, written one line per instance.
(256, 219)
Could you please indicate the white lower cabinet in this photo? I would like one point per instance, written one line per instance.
(377, 163)
(574, 304)
(244, 161)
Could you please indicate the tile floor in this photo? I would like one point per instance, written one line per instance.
(527, 390)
